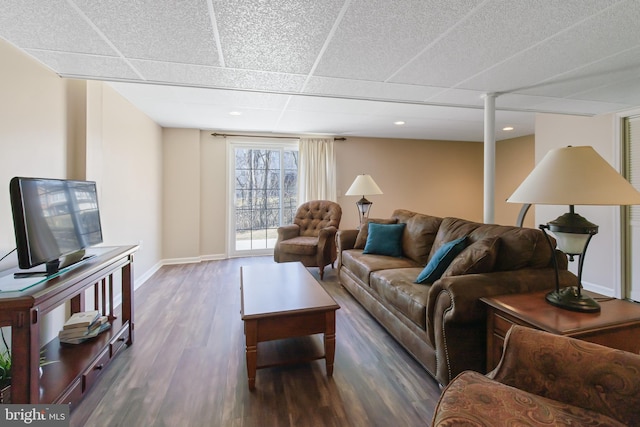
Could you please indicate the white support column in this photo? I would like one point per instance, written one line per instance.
(489, 157)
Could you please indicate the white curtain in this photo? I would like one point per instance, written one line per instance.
(317, 170)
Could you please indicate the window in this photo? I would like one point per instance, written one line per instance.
(264, 194)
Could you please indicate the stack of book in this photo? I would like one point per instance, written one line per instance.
(82, 326)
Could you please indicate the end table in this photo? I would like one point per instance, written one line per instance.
(617, 325)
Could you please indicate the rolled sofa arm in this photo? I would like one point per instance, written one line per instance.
(345, 239)
(456, 318)
(459, 296)
(579, 373)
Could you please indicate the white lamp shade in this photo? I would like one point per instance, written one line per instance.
(575, 176)
(363, 185)
(571, 243)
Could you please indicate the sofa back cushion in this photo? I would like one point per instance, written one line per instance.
(419, 234)
(519, 247)
(479, 257)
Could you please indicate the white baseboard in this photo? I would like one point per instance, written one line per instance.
(192, 260)
(139, 281)
(602, 290)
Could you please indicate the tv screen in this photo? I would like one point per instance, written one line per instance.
(53, 218)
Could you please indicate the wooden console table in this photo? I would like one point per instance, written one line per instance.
(75, 367)
(616, 326)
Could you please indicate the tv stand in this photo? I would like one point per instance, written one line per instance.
(55, 266)
(75, 367)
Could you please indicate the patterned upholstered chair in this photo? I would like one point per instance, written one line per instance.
(311, 237)
(546, 380)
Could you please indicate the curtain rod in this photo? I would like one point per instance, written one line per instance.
(224, 135)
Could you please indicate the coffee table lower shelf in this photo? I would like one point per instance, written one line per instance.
(290, 351)
(269, 329)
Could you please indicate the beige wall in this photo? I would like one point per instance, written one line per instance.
(57, 128)
(441, 178)
(434, 177)
(126, 162)
(602, 262)
(515, 159)
(181, 186)
(213, 196)
(32, 130)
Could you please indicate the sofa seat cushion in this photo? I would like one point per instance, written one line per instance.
(301, 245)
(396, 288)
(362, 265)
(472, 399)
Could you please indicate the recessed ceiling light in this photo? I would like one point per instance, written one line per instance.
(235, 113)
(507, 128)
(398, 123)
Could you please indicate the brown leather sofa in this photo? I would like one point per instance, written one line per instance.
(546, 380)
(311, 237)
(443, 324)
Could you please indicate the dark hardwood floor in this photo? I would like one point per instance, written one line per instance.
(187, 364)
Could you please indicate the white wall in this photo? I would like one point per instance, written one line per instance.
(602, 263)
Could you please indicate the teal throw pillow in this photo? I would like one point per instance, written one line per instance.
(441, 260)
(384, 239)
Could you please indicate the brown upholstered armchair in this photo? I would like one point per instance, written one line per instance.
(311, 237)
(546, 379)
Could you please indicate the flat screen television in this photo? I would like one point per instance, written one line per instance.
(54, 219)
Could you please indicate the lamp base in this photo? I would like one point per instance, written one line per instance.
(571, 299)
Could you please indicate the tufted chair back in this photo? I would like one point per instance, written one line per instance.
(315, 215)
(311, 238)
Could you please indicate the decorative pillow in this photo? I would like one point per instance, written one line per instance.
(478, 257)
(384, 239)
(361, 240)
(440, 260)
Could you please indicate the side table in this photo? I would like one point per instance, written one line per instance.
(617, 325)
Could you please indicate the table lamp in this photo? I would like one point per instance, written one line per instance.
(363, 185)
(574, 176)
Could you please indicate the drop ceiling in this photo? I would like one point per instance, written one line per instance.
(343, 67)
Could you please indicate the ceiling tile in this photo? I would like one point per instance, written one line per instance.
(205, 76)
(259, 35)
(162, 30)
(576, 107)
(376, 38)
(617, 91)
(368, 89)
(72, 64)
(609, 33)
(499, 30)
(46, 25)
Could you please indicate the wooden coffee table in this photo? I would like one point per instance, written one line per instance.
(281, 301)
